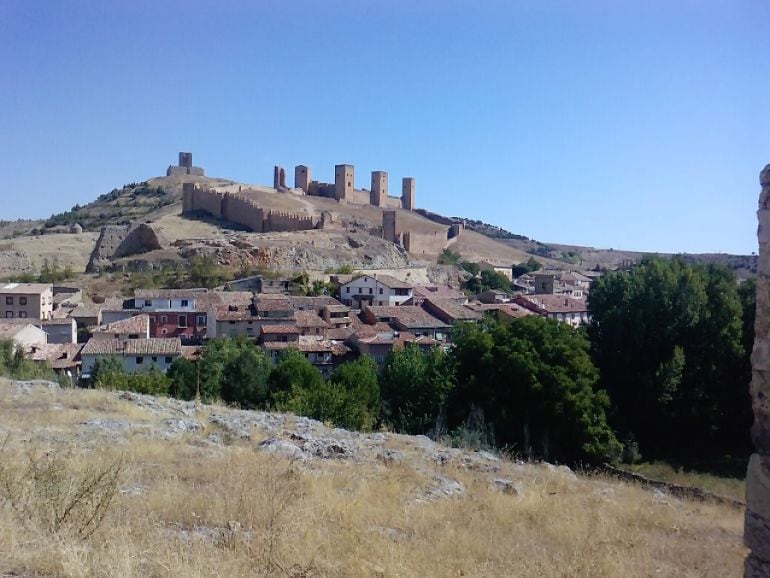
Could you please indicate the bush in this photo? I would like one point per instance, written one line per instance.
(54, 494)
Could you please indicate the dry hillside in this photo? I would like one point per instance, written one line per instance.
(104, 483)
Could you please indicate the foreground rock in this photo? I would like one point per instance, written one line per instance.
(757, 530)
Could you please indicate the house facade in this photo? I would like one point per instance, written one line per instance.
(136, 354)
(379, 290)
(26, 301)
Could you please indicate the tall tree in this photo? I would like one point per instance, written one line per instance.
(666, 337)
(536, 385)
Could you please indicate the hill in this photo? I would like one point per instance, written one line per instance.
(158, 201)
(180, 490)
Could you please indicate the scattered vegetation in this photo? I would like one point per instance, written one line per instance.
(13, 364)
(530, 266)
(448, 257)
(119, 206)
(50, 272)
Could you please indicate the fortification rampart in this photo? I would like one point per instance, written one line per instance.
(418, 243)
(240, 209)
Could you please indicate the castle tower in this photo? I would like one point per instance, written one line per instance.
(407, 193)
(389, 226)
(276, 177)
(344, 176)
(302, 178)
(379, 194)
(185, 160)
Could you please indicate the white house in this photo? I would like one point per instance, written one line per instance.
(60, 330)
(136, 354)
(166, 299)
(377, 290)
(23, 335)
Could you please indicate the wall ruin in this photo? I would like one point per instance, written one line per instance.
(418, 243)
(756, 534)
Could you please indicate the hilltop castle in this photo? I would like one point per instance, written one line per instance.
(239, 206)
(343, 189)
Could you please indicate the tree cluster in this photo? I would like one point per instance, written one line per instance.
(671, 341)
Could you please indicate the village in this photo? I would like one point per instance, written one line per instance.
(368, 314)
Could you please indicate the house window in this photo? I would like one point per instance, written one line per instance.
(147, 302)
(185, 303)
(164, 319)
(201, 320)
(139, 360)
(370, 290)
(163, 331)
(133, 336)
(9, 314)
(154, 359)
(182, 321)
(380, 290)
(168, 359)
(9, 300)
(22, 313)
(347, 289)
(360, 290)
(22, 300)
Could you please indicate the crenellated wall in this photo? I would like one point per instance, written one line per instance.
(240, 209)
(756, 533)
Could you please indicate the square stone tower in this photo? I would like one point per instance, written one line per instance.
(379, 194)
(185, 160)
(344, 177)
(389, 226)
(407, 193)
(302, 178)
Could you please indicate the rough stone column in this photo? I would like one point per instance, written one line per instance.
(756, 533)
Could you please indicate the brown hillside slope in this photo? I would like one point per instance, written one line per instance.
(215, 491)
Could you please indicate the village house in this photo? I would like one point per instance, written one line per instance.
(502, 312)
(336, 316)
(62, 358)
(325, 355)
(408, 318)
(450, 311)
(60, 330)
(22, 334)
(136, 354)
(492, 296)
(136, 327)
(172, 312)
(310, 323)
(422, 292)
(26, 301)
(558, 307)
(380, 290)
(502, 268)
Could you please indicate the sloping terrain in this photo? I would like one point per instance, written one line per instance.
(180, 490)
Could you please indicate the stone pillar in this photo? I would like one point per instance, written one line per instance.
(756, 534)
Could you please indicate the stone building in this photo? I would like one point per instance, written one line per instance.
(344, 176)
(185, 167)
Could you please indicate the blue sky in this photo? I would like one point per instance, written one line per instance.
(611, 123)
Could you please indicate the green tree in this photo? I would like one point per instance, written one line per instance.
(357, 380)
(245, 375)
(415, 385)
(290, 376)
(108, 373)
(536, 386)
(667, 339)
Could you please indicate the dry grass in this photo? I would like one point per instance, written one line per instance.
(728, 487)
(187, 507)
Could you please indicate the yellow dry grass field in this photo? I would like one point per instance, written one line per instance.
(62, 248)
(202, 502)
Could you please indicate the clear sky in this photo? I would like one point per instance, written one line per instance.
(624, 124)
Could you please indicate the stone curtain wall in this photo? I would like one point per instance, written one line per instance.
(757, 528)
(239, 208)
